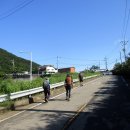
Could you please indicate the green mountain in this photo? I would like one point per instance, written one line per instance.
(10, 63)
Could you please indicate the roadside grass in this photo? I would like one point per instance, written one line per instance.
(8, 86)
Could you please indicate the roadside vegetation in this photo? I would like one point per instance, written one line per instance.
(123, 68)
(10, 85)
(9, 80)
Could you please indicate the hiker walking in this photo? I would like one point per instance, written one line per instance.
(46, 88)
(81, 79)
(68, 86)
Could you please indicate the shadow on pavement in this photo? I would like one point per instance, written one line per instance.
(110, 108)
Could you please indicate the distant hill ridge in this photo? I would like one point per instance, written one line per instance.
(11, 63)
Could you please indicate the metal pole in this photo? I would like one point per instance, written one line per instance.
(120, 58)
(13, 64)
(30, 63)
(57, 63)
(99, 64)
(31, 66)
(106, 63)
(124, 43)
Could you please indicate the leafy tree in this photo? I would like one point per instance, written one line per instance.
(124, 68)
(94, 67)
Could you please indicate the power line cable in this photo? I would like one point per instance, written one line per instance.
(126, 24)
(124, 31)
(51, 58)
(15, 9)
(73, 64)
(78, 64)
(124, 20)
(112, 51)
(110, 63)
(78, 59)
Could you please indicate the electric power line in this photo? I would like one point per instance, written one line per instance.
(124, 43)
(78, 59)
(124, 21)
(15, 9)
(125, 31)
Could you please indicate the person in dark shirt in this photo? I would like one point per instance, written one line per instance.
(68, 86)
(46, 88)
(81, 79)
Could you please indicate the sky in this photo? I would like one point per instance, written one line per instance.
(66, 33)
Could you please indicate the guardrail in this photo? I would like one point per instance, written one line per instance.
(35, 90)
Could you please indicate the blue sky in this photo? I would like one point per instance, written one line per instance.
(81, 33)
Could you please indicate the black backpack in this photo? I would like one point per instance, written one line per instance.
(46, 84)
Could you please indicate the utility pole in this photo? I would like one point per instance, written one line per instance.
(57, 62)
(30, 53)
(106, 63)
(13, 64)
(30, 66)
(120, 58)
(99, 64)
(124, 43)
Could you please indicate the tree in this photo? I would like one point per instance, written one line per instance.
(94, 67)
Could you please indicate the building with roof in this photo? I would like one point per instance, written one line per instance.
(68, 70)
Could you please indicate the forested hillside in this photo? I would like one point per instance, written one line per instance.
(10, 63)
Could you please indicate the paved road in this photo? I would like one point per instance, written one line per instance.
(108, 110)
(55, 114)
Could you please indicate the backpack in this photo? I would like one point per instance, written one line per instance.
(46, 84)
(81, 76)
(68, 80)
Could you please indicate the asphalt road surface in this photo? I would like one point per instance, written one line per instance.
(108, 110)
(84, 111)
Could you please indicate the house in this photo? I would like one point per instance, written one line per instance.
(47, 69)
(68, 70)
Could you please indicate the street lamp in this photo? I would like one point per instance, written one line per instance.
(30, 63)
